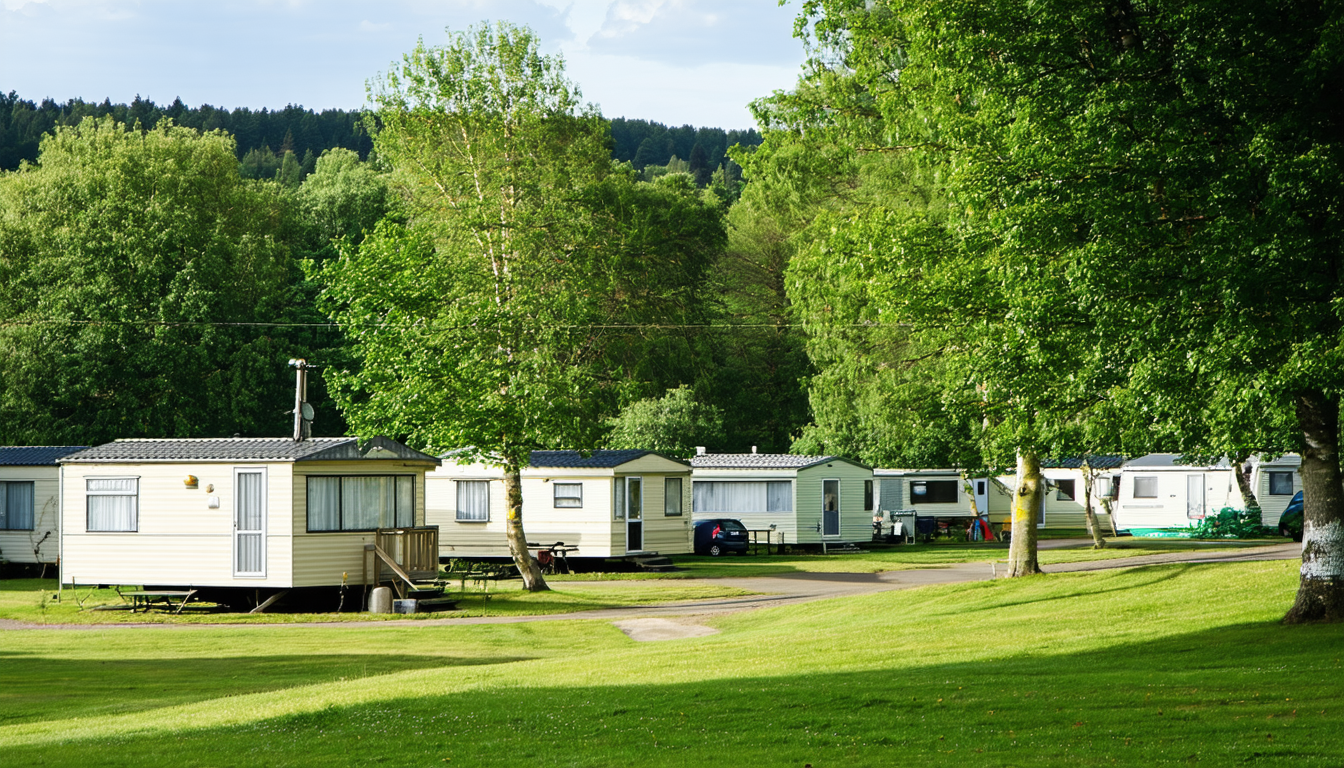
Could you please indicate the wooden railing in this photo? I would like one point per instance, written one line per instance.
(414, 550)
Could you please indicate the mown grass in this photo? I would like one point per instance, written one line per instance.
(905, 557)
(1147, 666)
(31, 600)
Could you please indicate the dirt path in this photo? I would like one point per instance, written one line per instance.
(657, 622)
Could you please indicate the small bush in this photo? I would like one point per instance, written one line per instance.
(1230, 523)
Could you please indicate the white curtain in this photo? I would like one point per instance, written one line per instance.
(112, 503)
(366, 503)
(672, 496)
(405, 502)
(473, 500)
(738, 498)
(16, 506)
(324, 503)
(568, 495)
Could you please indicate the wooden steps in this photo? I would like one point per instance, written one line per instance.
(655, 564)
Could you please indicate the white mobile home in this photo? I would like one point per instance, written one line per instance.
(1160, 495)
(1062, 504)
(241, 512)
(804, 499)
(30, 502)
(606, 503)
(930, 492)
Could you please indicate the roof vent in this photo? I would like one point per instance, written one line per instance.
(699, 450)
(753, 449)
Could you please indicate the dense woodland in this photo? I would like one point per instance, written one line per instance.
(970, 236)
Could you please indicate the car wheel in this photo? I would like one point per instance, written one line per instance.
(715, 550)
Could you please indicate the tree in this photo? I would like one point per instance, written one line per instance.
(483, 320)
(142, 278)
(673, 424)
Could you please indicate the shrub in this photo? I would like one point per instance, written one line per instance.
(1230, 523)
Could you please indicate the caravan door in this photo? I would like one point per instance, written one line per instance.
(1194, 497)
(249, 522)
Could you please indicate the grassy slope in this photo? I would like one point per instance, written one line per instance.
(30, 600)
(909, 557)
(1150, 666)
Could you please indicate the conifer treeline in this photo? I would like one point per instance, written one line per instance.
(264, 136)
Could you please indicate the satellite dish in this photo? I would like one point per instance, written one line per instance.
(307, 410)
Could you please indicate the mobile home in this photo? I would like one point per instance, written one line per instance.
(1162, 496)
(608, 504)
(801, 499)
(259, 513)
(1062, 503)
(30, 502)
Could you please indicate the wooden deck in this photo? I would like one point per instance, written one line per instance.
(402, 556)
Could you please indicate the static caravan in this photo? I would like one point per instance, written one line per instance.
(803, 499)
(930, 492)
(1160, 496)
(606, 503)
(260, 513)
(30, 502)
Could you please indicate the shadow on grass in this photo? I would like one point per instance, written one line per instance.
(1253, 693)
(34, 688)
(1152, 575)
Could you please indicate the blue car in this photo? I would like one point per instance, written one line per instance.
(1290, 522)
(715, 537)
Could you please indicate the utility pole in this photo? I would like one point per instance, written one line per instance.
(302, 427)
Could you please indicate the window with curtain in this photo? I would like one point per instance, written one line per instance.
(16, 506)
(360, 502)
(473, 501)
(672, 497)
(113, 503)
(728, 497)
(1145, 486)
(568, 495)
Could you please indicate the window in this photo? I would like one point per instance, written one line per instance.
(113, 503)
(1108, 487)
(360, 502)
(933, 491)
(568, 495)
(672, 497)
(1145, 486)
(1064, 490)
(16, 506)
(738, 498)
(1280, 483)
(868, 495)
(473, 501)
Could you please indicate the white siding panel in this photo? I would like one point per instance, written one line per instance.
(17, 546)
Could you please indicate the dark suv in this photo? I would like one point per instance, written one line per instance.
(714, 537)
(1290, 522)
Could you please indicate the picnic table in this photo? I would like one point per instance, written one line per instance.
(146, 599)
(754, 539)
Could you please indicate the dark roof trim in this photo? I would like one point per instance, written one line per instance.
(35, 455)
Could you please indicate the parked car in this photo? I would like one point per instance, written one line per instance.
(715, 537)
(1290, 522)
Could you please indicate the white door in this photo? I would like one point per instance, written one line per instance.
(249, 522)
(1194, 497)
(830, 507)
(634, 514)
(981, 495)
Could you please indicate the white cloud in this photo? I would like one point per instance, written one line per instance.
(699, 32)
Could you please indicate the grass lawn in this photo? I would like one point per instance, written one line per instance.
(906, 557)
(30, 600)
(1161, 665)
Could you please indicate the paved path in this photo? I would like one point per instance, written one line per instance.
(660, 622)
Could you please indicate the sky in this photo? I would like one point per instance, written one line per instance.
(697, 62)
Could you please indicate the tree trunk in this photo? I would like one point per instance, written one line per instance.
(1030, 486)
(527, 565)
(968, 486)
(1244, 484)
(1093, 527)
(1320, 593)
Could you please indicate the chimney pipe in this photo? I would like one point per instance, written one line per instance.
(753, 450)
(300, 396)
(699, 450)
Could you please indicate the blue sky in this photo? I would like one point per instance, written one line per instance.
(675, 61)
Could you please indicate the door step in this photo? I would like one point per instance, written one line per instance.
(655, 564)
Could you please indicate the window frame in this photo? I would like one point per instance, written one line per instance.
(1135, 488)
(87, 494)
(340, 501)
(457, 500)
(4, 503)
(555, 499)
(1269, 481)
(1059, 489)
(681, 497)
(923, 498)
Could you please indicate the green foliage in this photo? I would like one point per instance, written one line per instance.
(673, 424)
(343, 197)
(1231, 523)
(134, 263)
